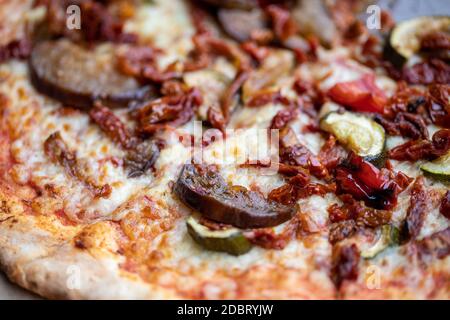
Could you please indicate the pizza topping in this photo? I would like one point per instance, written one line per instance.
(417, 210)
(263, 98)
(203, 189)
(438, 104)
(141, 62)
(299, 187)
(438, 244)
(141, 158)
(269, 238)
(445, 205)
(377, 188)
(408, 37)
(388, 236)
(360, 95)
(438, 169)
(264, 79)
(341, 230)
(78, 77)
(345, 261)
(229, 240)
(423, 149)
(358, 212)
(406, 125)
(231, 92)
(433, 71)
(233, 4)
(168, 111)
(332, 154)
(241, 25)
(283, 117)
(360, 134)
(112, 126)
(283, 23)
(299, 155)
(58, 151)
(321, 26)
(17, 49)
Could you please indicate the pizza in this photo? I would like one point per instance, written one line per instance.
(235, 149)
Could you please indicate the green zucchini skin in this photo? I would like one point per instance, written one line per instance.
(438, 169)
(390, 54)
(412, 28)
(389, 236)
(231, 241)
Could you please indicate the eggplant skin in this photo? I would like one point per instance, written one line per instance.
(239, 24)
(232, 4)
(206, 191)
(78, 77)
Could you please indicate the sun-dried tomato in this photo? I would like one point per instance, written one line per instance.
(97, 24)
(438, 244)
(341, 230)
(345, 261)
(377, 188)
(58, 151)
(299, 187)
(445, 205)
(406, 125)
(267, 238)
(232, 90)
(283, 117)
(206, 46)
(414, 150)
(360, 95)
(140, 62)
(18, 49)
(417, 210)
(433, 71)
(332, 154)
(259, 53)
(216, 119)
(406, 99)
(438, 104)
(172, 88)
(283, 24)
(358, 212)
(437, 40)
(310, 93)
(112, 126)
(265, 97)
(299, 155)
(172, 111)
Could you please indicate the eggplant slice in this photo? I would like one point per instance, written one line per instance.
(78, 77)
(233, 4)
(205, 190)
(239, 24)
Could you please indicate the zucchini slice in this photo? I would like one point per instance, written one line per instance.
(230, 240)
(438, 169)
(389, 236)
(404, 40)
(359, 133)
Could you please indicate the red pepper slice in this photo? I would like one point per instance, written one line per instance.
(360, 95)
(377, 188)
